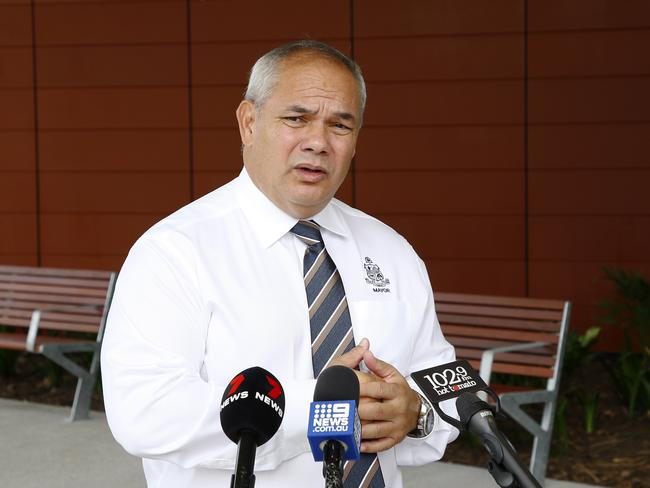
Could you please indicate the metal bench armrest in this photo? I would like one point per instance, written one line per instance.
(487, 358)
(32, 332)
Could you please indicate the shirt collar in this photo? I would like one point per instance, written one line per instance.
(271, 223)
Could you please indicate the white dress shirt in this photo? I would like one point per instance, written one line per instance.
(216, 288)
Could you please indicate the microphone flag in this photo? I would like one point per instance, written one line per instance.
(336, 421)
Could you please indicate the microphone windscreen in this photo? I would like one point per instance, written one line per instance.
(467, 405)
(253, 401)
(337, 383)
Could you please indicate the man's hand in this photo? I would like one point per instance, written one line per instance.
(388, 409)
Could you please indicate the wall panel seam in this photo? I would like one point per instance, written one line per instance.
(37, 179)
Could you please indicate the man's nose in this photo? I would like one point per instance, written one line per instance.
(316, 139)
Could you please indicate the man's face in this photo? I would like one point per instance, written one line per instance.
(299, 144)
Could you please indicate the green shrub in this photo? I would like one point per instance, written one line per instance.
(631, 311)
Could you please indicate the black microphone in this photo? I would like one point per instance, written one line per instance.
(476, 416)
(334, 431)
(252, 408)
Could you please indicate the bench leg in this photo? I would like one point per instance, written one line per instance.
(82, 397)
(542, 444)
(85, 383)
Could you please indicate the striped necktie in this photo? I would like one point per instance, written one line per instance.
(331, 332)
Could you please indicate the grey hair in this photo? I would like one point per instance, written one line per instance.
(264, 74)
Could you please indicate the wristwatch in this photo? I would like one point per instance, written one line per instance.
(425, 420)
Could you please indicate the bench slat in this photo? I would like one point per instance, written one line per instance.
(482, 344)
(539, 372)
(56, 280)
(26, 314)
(28, 270)
(507, 357)
(51, 325)
(76, 308)
(517, 302)
(16, 341)
(512, 336)
(500, 322)
(49, 299)
(485, 311)
(10, 288)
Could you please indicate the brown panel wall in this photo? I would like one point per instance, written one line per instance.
(113, 120)
(511, 171)
(589, 114)
(18, 217)
(441, 155)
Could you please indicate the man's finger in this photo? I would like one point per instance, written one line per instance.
(378, 445)
(376, 430)
(375, 411)
(366, 377)
(354, 356)
(382, 369)
(380, 390)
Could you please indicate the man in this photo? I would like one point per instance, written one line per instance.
(226, 283)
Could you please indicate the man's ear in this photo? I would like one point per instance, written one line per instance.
(246, 119)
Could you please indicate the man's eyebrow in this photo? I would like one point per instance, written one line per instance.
(300, 109)
(345, 116)
(304, 110)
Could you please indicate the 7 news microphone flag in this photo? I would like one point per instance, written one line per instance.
(252, 409)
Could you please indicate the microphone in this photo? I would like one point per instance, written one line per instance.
(334, 431)
(458, 379)
(252, 408)
(476, 416)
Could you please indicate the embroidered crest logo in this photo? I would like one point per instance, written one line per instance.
(374, 276)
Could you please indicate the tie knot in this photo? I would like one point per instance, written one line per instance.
(307, 231)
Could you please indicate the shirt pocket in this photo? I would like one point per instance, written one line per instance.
(387, 326)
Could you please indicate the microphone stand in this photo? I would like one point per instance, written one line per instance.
(333, 464)
(502, 476)
(243, 476)
(516, 476)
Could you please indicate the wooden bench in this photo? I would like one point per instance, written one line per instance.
(55, 312)
(516, 336)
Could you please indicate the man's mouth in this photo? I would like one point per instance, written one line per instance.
(310, 173)
(310, 169)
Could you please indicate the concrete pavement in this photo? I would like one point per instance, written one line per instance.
(39, 450)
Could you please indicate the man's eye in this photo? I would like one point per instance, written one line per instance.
(342, 127)
(293, 119)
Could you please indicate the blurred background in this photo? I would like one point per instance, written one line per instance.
(506, 139)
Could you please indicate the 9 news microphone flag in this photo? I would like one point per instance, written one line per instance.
(334, 430)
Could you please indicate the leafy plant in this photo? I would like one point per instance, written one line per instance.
(561, 430)
(589, 401)
(632, 379)
(631, 311)
(578, 350)
(577, 354)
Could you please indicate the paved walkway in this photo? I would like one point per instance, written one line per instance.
(39, 450)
